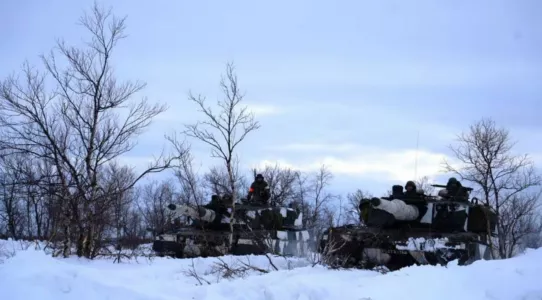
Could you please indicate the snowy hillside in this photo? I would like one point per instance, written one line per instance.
(31, 274)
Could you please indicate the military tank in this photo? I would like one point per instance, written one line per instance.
(420, 230)
(203, 231)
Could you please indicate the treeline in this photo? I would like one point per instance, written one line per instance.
(64, 126)
(32, 208)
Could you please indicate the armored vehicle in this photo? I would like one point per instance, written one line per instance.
(396, 232)
(209, 230)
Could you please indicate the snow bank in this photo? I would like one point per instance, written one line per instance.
(31, 274)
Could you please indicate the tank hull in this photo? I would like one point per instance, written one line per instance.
(367, 248)
(191, 242)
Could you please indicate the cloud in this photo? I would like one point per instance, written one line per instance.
(366, 162)
(190, 112)
(537, 158)
(264, 109)
(260, 165)
(345, 147)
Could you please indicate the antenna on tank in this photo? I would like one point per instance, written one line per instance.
(416, 159)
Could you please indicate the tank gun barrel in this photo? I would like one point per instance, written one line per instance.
(444, 186)
(199, 213)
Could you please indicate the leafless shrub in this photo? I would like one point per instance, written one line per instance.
(6, 253)
(9, 248)
(192, 272)
(239, 268)
(327, 256)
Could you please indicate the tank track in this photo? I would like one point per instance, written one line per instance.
(367, 248)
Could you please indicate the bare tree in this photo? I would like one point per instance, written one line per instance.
(116, 205)
(534, 239)
(224, 130)
(191, 191)
(504, 180)
(152, 203)
(424, 184)
(76, 125)
(315, 201)
(11, 208)
(282, 183)
(334, 212)
(217, 180)
(353, 214)
(320, 196)
(521, 221)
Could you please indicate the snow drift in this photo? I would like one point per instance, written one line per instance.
(32, 274)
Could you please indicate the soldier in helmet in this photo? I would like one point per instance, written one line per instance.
(259, 191)
(454, 191)
(411, 190)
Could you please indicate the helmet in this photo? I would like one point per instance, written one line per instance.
(453, 183)
(411, 184)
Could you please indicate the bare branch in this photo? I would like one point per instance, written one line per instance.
(225, 129)
(282, 183)
(80, 125)
(505, 181)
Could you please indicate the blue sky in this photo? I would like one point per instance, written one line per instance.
(346, 83)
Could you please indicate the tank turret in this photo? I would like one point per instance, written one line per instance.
(253, 216)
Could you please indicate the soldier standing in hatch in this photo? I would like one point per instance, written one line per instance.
(259, 191)
(410, 190)
(456, 190)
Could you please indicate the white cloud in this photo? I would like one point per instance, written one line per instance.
(264, 109)
(377, 163)
(191, 113)
(346, 147)
(260, 165)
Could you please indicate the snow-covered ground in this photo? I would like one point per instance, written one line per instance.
(32, 274)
